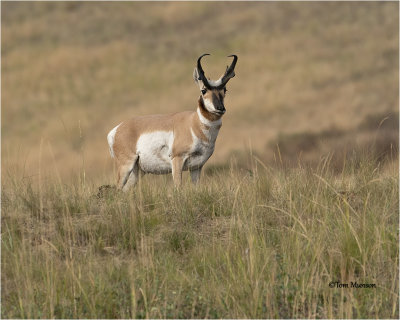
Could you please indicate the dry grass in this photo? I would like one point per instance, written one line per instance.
(72, 71)
(302, 188)
(249, 244)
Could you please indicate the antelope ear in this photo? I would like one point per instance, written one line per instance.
(196, 78)
(196, 75)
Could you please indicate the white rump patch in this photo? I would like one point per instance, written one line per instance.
(154, 150)
(111, 138)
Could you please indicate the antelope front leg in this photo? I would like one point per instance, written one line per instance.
(177, 164)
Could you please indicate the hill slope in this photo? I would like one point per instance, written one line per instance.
(71, 71)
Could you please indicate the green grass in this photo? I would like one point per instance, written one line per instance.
(263, 243)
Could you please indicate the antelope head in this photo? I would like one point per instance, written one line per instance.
(213, 92)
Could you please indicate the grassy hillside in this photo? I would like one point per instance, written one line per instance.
(259, 244)
(302, 189)
(72, 71)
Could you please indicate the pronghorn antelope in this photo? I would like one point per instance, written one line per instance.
(175, 142)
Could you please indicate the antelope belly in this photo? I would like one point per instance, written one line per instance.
(154, 150)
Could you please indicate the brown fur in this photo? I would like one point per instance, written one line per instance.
(129, 132)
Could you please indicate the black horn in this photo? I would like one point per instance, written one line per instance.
(202, 76)
(230, 71)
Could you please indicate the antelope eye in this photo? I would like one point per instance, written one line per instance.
(203, 91)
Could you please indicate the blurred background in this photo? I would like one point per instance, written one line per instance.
(313, 79)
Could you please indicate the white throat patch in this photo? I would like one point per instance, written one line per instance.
(205, 121)
(210, 129)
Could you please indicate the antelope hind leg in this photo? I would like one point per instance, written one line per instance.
(128, 174)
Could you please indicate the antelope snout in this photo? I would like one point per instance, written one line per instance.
(221, 109)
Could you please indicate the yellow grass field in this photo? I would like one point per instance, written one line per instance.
(301, 192)
(72, 71)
